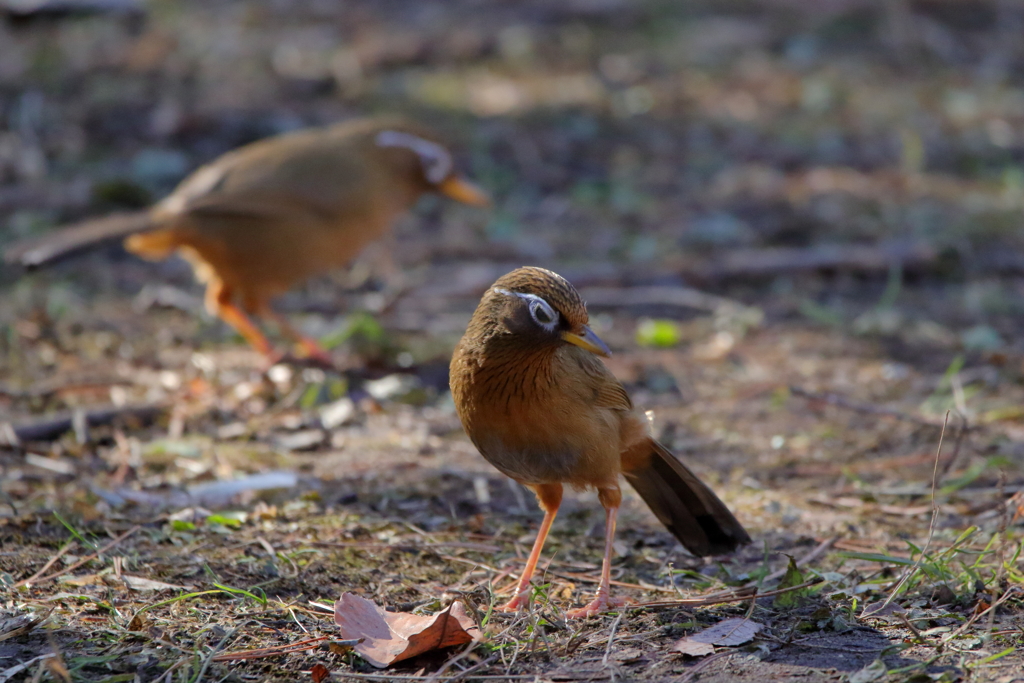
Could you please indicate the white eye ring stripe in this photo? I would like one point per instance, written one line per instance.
(532, 299)
(436, 161)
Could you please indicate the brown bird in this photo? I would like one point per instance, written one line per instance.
(542, 408)
(261, 218)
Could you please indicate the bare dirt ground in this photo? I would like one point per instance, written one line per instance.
(844, 177)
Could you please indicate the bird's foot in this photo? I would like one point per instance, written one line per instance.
(315, 353)
(278, 357)
(517, 603)
(271, 358)
(601, 603)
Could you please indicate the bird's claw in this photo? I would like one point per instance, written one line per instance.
(272, 358)
(520, 601)
(315, 353)
(601, 603)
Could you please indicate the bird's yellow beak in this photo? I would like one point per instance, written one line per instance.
(462, 190)
(589, 341)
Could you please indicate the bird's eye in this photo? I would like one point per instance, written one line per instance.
(543, 314)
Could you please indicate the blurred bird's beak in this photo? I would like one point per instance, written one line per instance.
(589, 341)
(462, 190)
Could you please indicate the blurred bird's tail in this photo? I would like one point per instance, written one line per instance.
(682, 502)
(77, 237)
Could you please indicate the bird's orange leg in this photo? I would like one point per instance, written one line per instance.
(219, 303)
(550, 497)
(610, 498)
(310, 348)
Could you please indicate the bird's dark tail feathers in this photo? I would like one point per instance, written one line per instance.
(684, 504)
(77, 237)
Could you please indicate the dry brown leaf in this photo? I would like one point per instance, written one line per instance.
(15, 627)
(881, 610)
(320, 673)
(726, 633)
(143, 584)
(693, 648)
(389, 637)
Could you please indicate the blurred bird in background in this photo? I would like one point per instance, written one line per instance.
(262, 218)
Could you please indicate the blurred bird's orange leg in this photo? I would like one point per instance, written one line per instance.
(219, 303)
(550, 497)
(310, 348)
(610, 498)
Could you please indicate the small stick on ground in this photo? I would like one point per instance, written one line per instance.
(700, 666)
(931, 525)
(436, 676)
(82, 561)
(49, 563)
(856, 406)
(947, 467)
(740, 595)
(54, 428)
(820, 549)
(611, 639)
(275, 650)
(913, 629)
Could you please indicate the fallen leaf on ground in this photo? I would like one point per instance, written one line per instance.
(390, 637)
(726, 633)
(881, 610)
(872, 672)
(320, 673)
(134, 582)
(15, 627)
(142, 584)
(793, 577)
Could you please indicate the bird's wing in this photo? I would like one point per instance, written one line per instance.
(257, 208)
(600, 386)
(308, 167)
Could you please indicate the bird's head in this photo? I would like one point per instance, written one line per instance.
(534, 307)
(418, 155)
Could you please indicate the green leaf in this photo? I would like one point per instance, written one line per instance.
(998, 655)
(224, 520)
(872, 672)
(362, 325)
(972, 473)
(240, 591)
(878, 557)
(818, 313)
(660, 333)
(793, 577)
(182, 525)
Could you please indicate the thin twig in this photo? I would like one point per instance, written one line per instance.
(274, 650)
(49, 563)
(54, 428)
(1004, 520)
(820, 549)
(611, 638)
(436, 676)
(856, 406)
(931, 525)
(947, 467)
(470, 670)
(970, 622)
(213, 653)
(913, 629)
(411, 677)
(84, 560)
(695, 670)
(741, 595)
